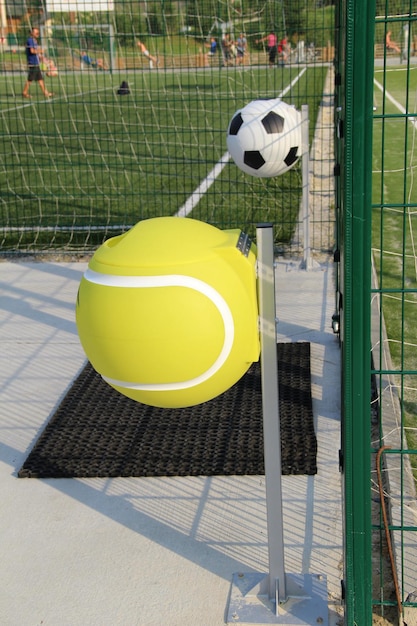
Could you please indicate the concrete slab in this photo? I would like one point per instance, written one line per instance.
(148, 551)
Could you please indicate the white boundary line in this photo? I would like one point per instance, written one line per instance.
(196, 196)
(395, 102)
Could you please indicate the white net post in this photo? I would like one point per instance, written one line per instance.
(307, 260)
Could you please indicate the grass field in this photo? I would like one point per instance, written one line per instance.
(90, 162)
(395, 225)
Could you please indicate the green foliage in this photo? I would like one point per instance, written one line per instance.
(128, 26)
(295, 15)
(295, 18)
(199, 16)
(391, 7)
(319, 26)
(170, 18)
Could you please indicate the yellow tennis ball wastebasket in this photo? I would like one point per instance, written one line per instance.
(167, 312)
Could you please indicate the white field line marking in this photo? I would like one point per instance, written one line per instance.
(413, 121)
(395, 102)
(196, 196)
(198, 193)
(55, 98)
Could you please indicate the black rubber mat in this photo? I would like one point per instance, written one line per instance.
(98, 432)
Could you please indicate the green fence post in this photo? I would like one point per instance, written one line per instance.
(356, 173)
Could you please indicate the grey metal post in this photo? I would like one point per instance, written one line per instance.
(270, 407)
(276, 597)
(307, 263)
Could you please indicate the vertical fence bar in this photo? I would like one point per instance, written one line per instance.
(356, 199)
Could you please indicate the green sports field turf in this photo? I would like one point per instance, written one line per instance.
(89, 162)
(394, 224)
(394, 173)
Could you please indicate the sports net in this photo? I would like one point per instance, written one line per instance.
(137, 124)
(79, 47)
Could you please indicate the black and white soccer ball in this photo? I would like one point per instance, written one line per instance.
(264, 138)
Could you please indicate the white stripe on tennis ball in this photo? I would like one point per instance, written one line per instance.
(172, 280)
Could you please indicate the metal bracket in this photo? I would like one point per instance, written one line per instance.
(305, 604)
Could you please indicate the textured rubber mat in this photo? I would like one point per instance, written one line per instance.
(97, 432)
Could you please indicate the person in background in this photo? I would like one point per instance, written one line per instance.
(90, 62)
(271, 43)
(391, 45)
(241, 44)
(152, 60)
(86, 58)
(48, 66)
(283, 51)
(213, 47)
(227, 50)
(33, 58)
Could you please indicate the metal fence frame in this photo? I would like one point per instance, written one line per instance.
(372, 524)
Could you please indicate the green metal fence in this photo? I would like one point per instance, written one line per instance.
(376, 199)
(354, 108)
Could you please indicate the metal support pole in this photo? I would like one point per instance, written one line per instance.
(270, 409)
(276, 597)
(307, 261)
